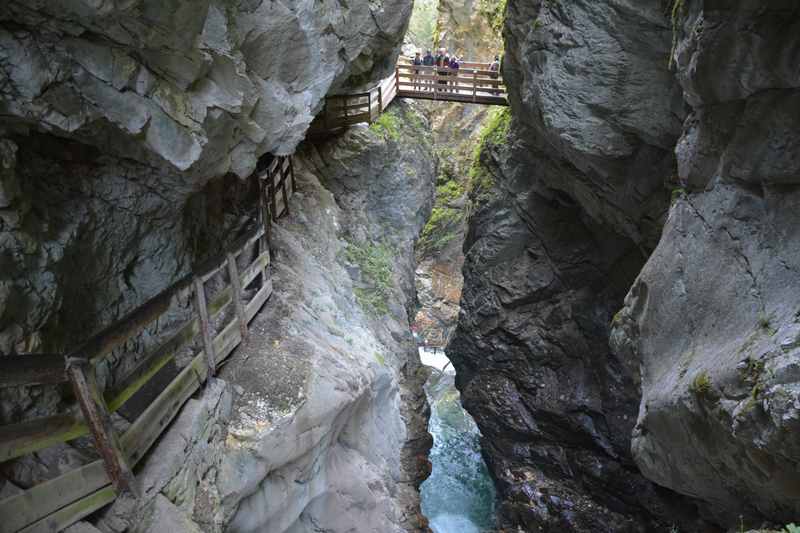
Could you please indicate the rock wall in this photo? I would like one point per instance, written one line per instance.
(117, 114)
(677, 410)
(573, 199)
(713, 316)
(318, 421)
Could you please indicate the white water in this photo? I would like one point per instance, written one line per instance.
(458, 497)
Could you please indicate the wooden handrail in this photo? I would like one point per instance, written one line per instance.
(60, 502)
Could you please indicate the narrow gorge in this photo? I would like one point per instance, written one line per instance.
(260, 272)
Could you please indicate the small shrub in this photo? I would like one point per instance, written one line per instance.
(676, 195)
(791, 528)
(387, 125)
(678, 9)
(701, 384)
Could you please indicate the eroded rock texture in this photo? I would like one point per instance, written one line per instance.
(713, 318)
(576, 204)
(117, 113)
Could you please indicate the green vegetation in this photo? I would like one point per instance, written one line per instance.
(380, 359)
(677, 193)
(678, 10)
(375, 263)
(495, 13)
(701, 384)
(791, 528)
(494, 132)
(422, 31)
(765, 323)
(387, 125)
(440, 229)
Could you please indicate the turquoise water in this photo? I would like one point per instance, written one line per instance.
(458, 497)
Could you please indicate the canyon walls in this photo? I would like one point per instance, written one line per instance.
(713, 319)
(130, 129)
(683, 419)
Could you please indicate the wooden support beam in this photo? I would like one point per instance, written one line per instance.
(236, 284)
(81, 373)
(205, 325)
(31, 369)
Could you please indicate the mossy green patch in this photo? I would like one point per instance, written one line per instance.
(375, 263)
(494, 11)
(678, 9)
(387, 125)
(701, 384)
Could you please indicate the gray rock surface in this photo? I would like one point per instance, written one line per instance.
(117, 115)
(343, 448)
(713, 317)
(576, 199)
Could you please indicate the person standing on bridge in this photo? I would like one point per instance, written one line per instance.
(428, 61)
(454, 66)
(494, 72)
(442, 64)
(417, 62)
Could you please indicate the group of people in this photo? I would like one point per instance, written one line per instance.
(446, 65)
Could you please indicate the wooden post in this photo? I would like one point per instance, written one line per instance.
(474, 84)
(284, 179)
(205, 326)
(272, 195)
(291, 173)
(380, 98)
(236, 286)
(94, 409)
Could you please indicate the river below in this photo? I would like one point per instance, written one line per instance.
(458, 497)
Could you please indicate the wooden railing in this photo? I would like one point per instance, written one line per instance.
(347, 109)
(57, 503)
(471, 83)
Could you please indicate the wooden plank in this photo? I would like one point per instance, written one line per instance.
(150, 365)
(236, 284)
(32, 369)
(45, 498)
(258, 300)
(147, 428)
(67, 516)
(208, 274)
(33, 435)
(228, 339)
(94, 410)
(255, 268)
(118, 333)
(205, 326)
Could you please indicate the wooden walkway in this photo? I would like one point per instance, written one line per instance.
(219, 322)
(473, 83)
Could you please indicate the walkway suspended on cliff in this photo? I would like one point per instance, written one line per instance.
(228, 291)
(473, 83)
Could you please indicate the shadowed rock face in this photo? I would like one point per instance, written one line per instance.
(578, 199)
(713, 317)
(115, 116)
(706, 343)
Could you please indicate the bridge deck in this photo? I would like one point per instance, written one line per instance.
(473, 83)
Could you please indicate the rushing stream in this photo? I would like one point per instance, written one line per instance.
(458, 497)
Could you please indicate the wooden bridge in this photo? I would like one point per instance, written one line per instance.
(472, 83)
(240, 285)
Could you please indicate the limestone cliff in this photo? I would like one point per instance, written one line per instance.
(713, 317)
(689, 413)
(128, 130)
(117, 114)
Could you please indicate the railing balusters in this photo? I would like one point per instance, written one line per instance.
(205, 325)
(236, 285)
(93, 406)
